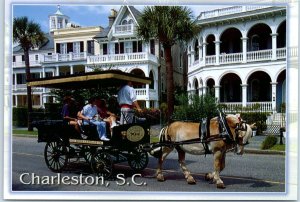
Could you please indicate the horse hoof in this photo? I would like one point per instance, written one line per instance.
(191, 180)
(221, 186)
(160, 178)
(206, 177)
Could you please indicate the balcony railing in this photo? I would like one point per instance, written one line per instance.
(65, 57)
(144, 93)
(254, 106)
(31, 63)
(228, 11)
(233, 58)
(123, 29)
(127, 57)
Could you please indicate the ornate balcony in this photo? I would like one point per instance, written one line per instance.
(64, 57)
(124, 29)
(118, 58)
(146, 94)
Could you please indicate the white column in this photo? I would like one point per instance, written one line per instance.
(244, 49)
(204, 51)
(244, 94)
(204, 90)
(41, 99)
(192, 57)
(274, 95)
(71, 69)
(44, 73)
(147, 103)
(16, 101)
(57, 70)
(217, 46)
(200, 52)
(274, 45)
(217, 93)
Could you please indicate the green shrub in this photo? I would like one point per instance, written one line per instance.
(269, 142)
(194, 107)
(20, 115)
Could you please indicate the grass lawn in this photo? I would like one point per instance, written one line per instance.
(24, 132)
(278, 147)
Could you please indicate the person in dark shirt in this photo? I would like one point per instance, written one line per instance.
(69, 114)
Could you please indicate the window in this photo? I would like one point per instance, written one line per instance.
(59, 23)
(36, 57)
(21, 78)
(137, 46)
(14, 58)
(152, 46)
(49, 54)
(116, 48)
(90, 47)
(23, 57)
(52, 23)
(69, 48)
(35, 75)
(105, 51)
(48, 74)
(76, 47)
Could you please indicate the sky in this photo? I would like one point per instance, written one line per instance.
(84, 15)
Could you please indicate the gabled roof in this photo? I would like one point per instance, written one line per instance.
(47, 45)
(132, 10)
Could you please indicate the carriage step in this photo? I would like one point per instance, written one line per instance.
(88, 142)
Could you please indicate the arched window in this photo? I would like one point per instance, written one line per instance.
(151, 86)
(124, 22)
(196, 48)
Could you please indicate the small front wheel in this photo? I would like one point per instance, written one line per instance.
(138, 160)
(55, 154)
(102, 164)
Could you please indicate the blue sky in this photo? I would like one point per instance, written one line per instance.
(84, 15)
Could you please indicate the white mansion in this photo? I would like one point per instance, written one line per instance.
(239, 56)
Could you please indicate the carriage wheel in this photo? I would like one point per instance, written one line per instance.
(55, 154)
(102, 164)
(138, 160)
(88, 152)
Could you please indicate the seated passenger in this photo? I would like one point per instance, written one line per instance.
(104, 114)
(69, 111)
(89, 114)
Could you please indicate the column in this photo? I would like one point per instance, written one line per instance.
(217, 45)
(200, 53)
(244, 94)
(217, 93)
(192, 57)
(71, 69)
(15, 82)
(16, 101)
(274, 95)
(274, 45)
(244, 39)
(204, 88)
(41, 99)
(43, 72)
(85, 68)
(57, 70)
(204, 52)
(147, 103)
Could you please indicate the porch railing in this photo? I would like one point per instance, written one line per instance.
(65, 57)
(254, 106)
(231, 58)
(259, 55)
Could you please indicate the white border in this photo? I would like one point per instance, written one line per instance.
(292, 136)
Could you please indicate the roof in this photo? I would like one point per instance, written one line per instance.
(100, 79)
(47, 45)
(136, 13)
(103, 34)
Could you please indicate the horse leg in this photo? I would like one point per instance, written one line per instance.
(181, 160)
(165, 152)
(219, 164)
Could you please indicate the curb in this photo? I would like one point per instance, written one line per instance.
(25, 135)
(259, 151)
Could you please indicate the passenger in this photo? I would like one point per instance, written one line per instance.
(69, 111)
(89, 115)
(127, 100)
(104, 114)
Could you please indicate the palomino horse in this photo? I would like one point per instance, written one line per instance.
(232, 135)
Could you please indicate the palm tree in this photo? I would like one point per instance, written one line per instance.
(170, 25)
(28, 35)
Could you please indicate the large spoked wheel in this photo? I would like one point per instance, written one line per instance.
(102, 164)
(55, 154)
(88, 152)
(138, 160)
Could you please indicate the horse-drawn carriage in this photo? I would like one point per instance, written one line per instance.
(63, 142)
(131, 142)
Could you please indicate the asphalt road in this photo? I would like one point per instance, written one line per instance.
(247, 173)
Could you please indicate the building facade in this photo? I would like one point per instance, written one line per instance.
(73, 49)
(239, 56)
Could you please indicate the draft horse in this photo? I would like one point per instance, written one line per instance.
(223, 133)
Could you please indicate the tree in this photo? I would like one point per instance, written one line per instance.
(28, 35)
(170, 25)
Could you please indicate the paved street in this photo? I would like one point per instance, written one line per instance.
(247, 173)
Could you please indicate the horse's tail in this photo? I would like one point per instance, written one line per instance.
(157, 152)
